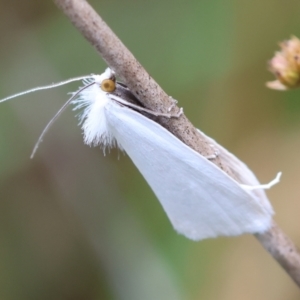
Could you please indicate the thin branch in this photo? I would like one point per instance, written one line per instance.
(120, 59)
(141, 84)
(278, 244)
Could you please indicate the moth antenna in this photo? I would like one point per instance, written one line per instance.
(53, 85)
(55, 118)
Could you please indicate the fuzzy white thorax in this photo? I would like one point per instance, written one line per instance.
(93, 100)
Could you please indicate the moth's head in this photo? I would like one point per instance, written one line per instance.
(106, 81)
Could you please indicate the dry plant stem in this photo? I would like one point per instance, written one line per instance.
(287, 255)
(120, 59)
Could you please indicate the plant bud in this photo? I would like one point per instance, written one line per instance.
(285, 65)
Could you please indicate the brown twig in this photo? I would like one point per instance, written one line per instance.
(120, 59)
(278, 244)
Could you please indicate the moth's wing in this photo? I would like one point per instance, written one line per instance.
(200, 200)
(239, 169)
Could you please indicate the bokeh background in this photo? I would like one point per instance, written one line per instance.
(75, 224)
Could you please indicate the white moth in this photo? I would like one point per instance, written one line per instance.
(200, 200)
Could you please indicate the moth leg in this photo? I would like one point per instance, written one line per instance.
(173, 104)
(179, 113)
(213, 156)
(151, 112)
(262, 186)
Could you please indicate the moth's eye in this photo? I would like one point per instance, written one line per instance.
(108, 85)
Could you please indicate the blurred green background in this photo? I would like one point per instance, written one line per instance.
(75, 224)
